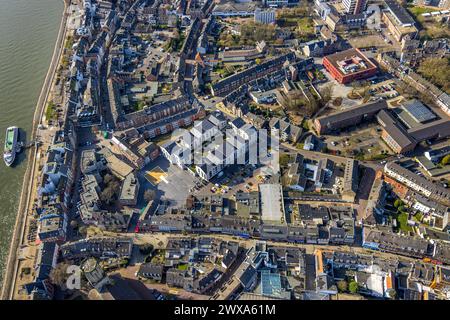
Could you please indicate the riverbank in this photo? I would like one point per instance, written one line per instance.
(27, 194)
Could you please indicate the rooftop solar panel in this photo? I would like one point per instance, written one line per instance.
(418, 111)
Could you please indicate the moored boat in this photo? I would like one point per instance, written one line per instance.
(11, 139)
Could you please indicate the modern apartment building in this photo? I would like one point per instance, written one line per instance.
(354, 6)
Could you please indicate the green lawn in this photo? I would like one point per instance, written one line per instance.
(224, 72)
(50, 112)
(402, 220)
(158, 257)
(418, 217)
(305, 28)
(380, 156)
(182, 267)
(287, 22)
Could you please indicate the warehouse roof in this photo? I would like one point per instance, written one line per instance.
(352, 112)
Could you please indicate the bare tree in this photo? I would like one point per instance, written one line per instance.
(342, 285)
(149, 195)
(312, 106)
(58, 275)
(327, 92)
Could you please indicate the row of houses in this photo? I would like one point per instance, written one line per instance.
(183, 265)
(83, 88)
(417, 183)
(406, 74)
(384, 278)
(415, 247)
(260, 275)
(97, 247)
(55, 190)
(233, 82)
(81, 108)
(337, 232)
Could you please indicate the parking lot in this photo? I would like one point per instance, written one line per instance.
(366, 139)
(385, 89)
(176, 184)
(235, 178)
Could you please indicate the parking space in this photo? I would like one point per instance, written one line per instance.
(236, 178)
(365, 141)
(175, 184)
(169, 181)
(385, 89)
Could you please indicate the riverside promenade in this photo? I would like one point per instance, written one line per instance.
(29, 181)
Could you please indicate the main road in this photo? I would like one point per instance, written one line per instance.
(159, 241)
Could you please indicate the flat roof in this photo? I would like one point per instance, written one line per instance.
(271, 202)
(129, 187)
(270, 284)
(350, 61)
(418, 111)
(234, 7)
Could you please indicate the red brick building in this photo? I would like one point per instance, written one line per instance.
(349, 65)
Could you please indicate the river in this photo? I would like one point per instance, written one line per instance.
(28, 31)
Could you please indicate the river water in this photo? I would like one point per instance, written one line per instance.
(28, 32)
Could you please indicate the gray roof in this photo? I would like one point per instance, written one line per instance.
(435, 189)
(399, 12)
(353, 112)
(238, 123)
(151, 268)
(435, 129)
(169, 146)
(307, 212)
(204, 126)
(388, 241)
(255, 70)
(394, 129)
(271, 202)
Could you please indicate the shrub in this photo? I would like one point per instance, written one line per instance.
(353, 287)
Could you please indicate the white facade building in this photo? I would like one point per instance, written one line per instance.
(265, 16)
